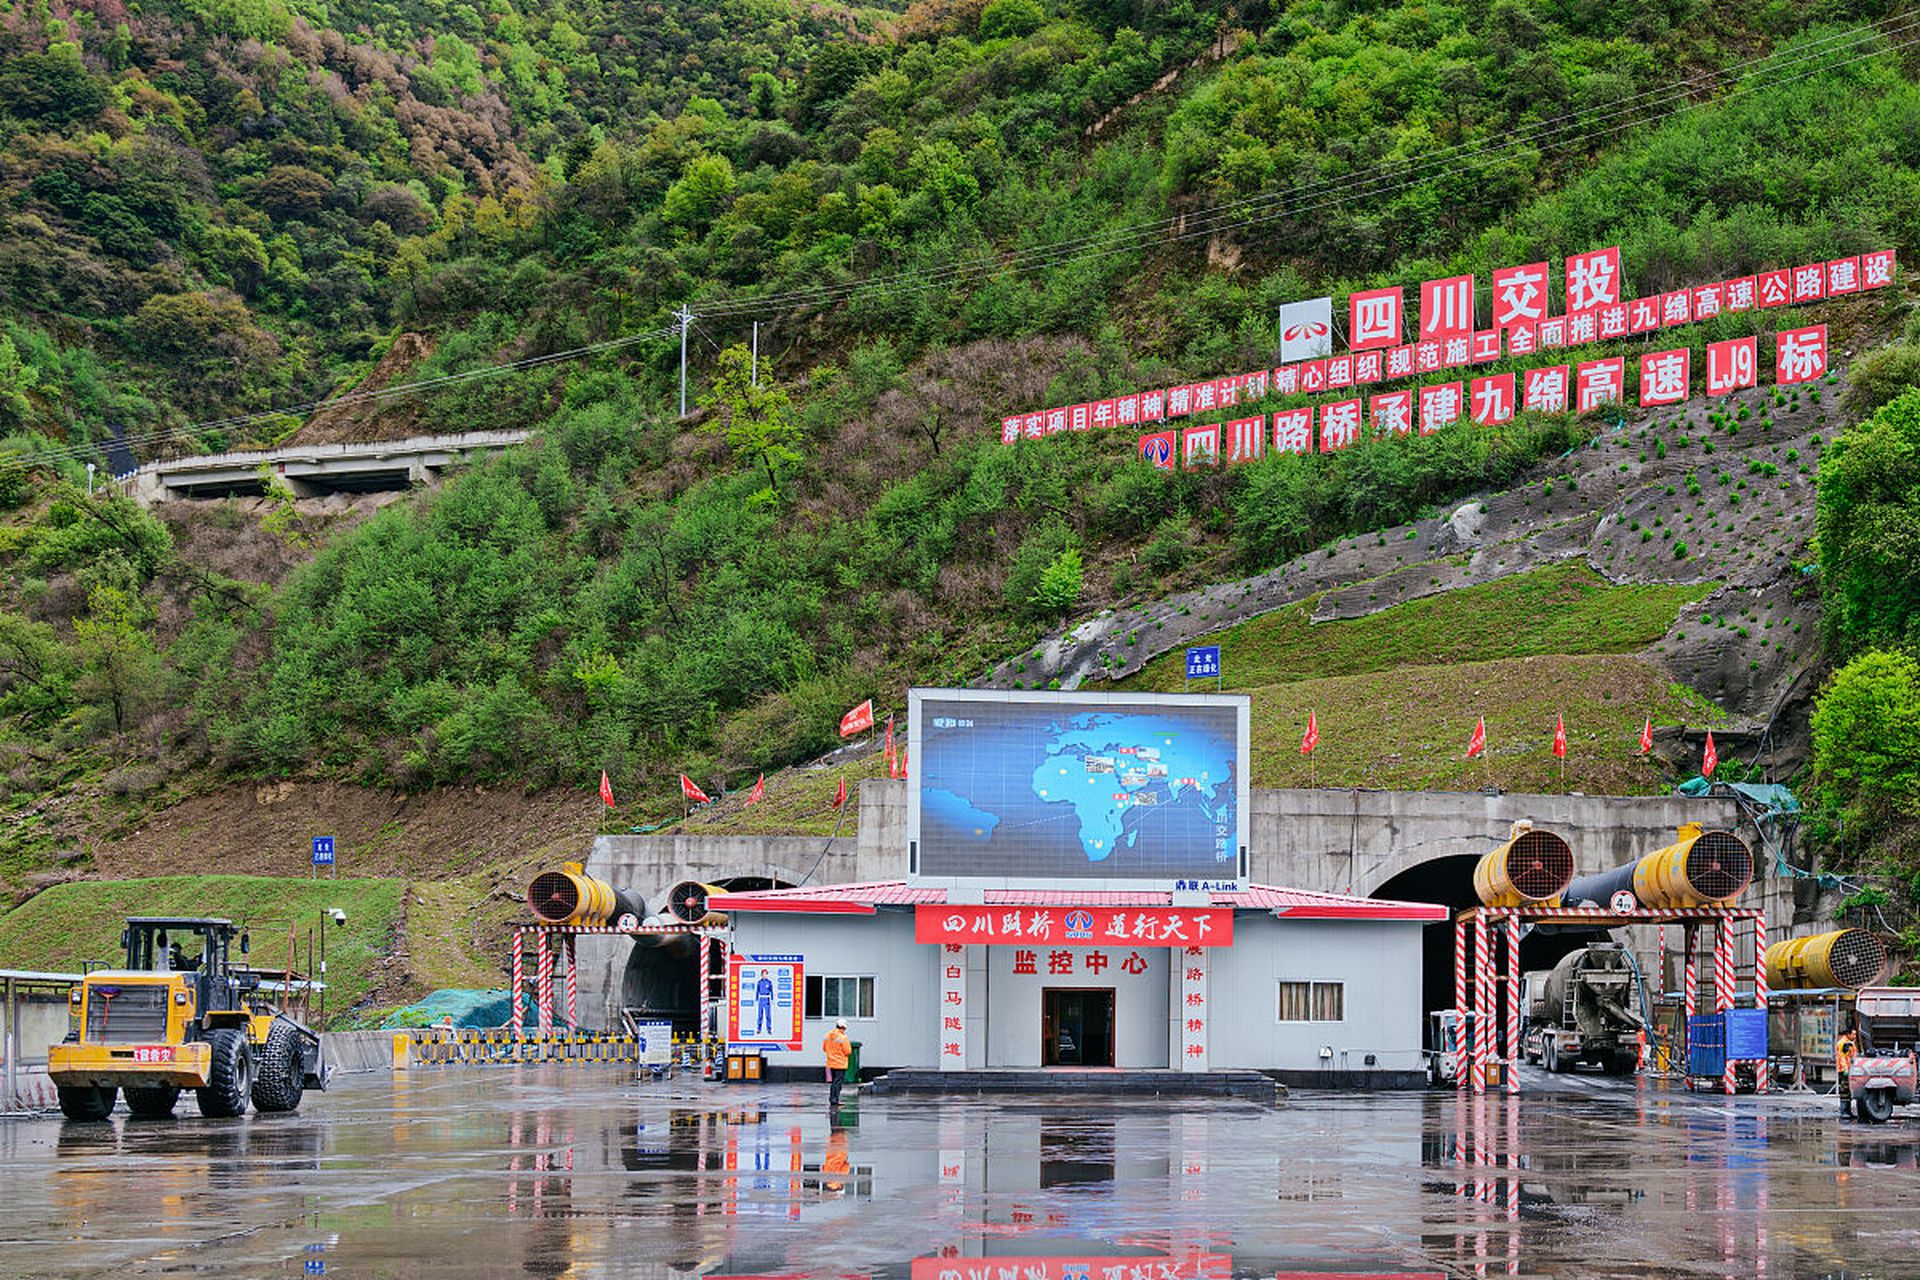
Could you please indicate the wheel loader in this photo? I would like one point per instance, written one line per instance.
(181, 1015)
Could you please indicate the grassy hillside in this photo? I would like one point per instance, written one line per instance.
(72, 925)
(1564, 609)
(211, 211)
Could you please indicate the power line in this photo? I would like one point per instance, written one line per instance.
(1335, 191)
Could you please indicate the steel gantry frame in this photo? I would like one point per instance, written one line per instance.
(552, 942)
(1496, 974)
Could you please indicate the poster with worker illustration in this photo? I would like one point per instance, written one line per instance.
(763, 1002)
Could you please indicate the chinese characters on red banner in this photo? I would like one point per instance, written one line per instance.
(1447, 337)
(1194, 1013)
(1075, 926)
(953, 1006)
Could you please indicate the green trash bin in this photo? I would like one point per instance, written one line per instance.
(853, 1064)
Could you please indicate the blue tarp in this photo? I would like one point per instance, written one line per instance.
(468, 1008)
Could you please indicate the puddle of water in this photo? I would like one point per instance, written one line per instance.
(580, 1172)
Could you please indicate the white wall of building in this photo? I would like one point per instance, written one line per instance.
(1380, 964)
(904, 1029)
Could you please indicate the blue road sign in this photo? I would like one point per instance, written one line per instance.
(323, 851)
(1204, 663)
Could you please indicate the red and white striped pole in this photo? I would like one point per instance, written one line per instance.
(700, 977)
(573, 986)
(543, 953)
(1513, 1004)
(1690, 987)
(518, 1019)
(1762, 1071)
(1459, 1001)
(1723, 991)
(1482, 1024)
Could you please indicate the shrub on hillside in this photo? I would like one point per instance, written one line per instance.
(1880, 377)
(1867, 530)
(1866, 742)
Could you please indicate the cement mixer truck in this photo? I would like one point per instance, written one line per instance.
(1587, 1008)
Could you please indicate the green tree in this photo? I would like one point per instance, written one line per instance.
(120, 668)
(17, 378)
(758, 422)
(1867, 530)
(1866, 741)
(52, 86)
(1010, 18)
(702, 192)
(1060, 582)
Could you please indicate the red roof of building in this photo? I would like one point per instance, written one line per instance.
(863, 899)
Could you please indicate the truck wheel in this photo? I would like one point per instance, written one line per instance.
(153, 1104)
(280, 1081)
(230, 1079)
(1551, 1054)
(1875, 1105)
(84, 1102)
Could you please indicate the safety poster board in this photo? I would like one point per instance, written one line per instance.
(764, 1002)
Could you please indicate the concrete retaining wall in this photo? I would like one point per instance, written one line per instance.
(1341, 841)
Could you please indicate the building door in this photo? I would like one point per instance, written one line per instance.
(1076, 1027)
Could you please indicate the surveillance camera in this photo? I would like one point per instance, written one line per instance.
(339, 916)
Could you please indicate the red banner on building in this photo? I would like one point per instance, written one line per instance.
(1076, 1266)
(1075, 926)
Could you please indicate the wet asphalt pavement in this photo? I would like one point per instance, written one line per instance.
(471, 1172)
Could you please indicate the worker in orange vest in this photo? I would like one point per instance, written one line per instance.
(1843, 1051)
(839, 1049)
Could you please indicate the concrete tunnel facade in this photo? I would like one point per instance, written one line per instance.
(1416, 845)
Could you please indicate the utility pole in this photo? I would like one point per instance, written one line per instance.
(755, 367)
(685, 316)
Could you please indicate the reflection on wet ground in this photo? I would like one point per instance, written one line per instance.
(581, 1172)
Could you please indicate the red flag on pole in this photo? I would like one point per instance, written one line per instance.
(890, 772)
(1311, 738)
(1560, 737)
(858, 720)
(903, 762)
(606, 789)
(840, 796)
(1712, 758)
(1478, 742)
(1646, 737)
(690, 791)
(759, 791)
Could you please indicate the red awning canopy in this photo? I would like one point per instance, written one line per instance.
(863, 899)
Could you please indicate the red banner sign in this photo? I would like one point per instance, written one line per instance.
(1070, 1266)
(1075, 926)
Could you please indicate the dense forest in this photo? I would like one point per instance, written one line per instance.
(211, 210)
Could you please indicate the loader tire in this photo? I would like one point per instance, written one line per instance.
(279, 1082)
(230, 1079)
(1875, 1106)
(84, 1102)
(155, 1103)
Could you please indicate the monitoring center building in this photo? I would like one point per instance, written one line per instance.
(1077, 898)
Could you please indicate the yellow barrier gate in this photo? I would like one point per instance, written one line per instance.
(503, 1048)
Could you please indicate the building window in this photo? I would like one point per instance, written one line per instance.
(1313, 1002)
(830, 997)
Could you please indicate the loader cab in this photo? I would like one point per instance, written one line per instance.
(196, 949)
